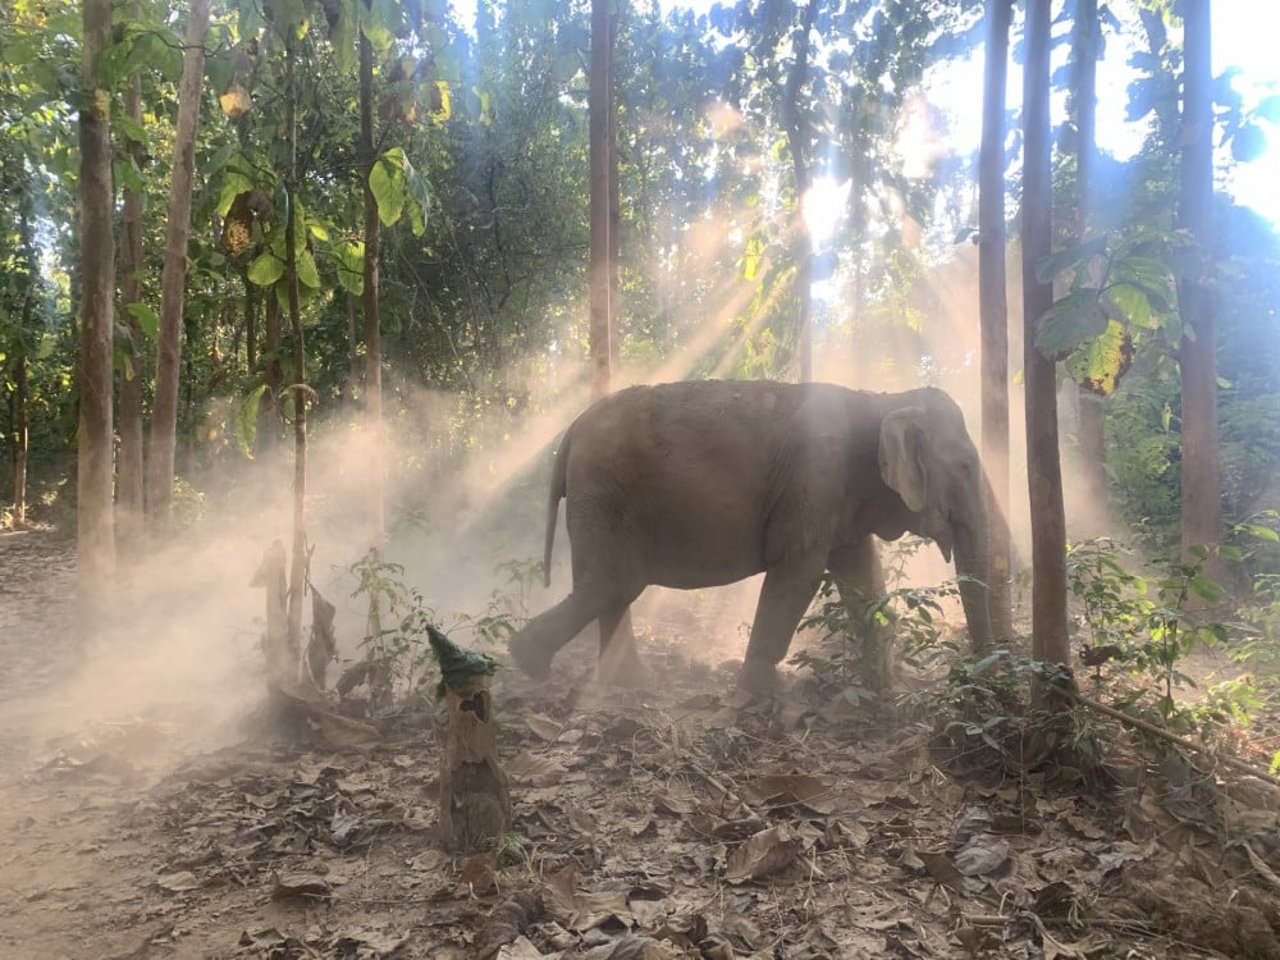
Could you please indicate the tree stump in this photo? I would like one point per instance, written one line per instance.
(475, 805)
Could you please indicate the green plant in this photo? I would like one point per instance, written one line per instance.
(1146, 628)
(395, 640)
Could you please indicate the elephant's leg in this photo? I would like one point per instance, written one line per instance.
(537, 642)
(785, 596)
(619, 661)
(860, 579)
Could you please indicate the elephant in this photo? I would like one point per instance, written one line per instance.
(703, 483)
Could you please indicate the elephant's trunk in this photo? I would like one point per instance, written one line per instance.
(972, 565)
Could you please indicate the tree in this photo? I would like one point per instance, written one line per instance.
(130, 498)
(1092, 447)
(372, 317)
(95, 530)
(603, 173)
(796, 124)
(1044, 471)
(994, 311)
(1201, 494)
(164, 419)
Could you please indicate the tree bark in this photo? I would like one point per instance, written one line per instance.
(250, 322)
(95, 528)
(1092, 448)
(475, 803)
(994, 315)
(599, 108)
(298, 565)
(21, 431)
(269, 409)
(164, 418)
(1044, 470)
(1201, 493)
(130, 505)
(797, 140)
(372, 318)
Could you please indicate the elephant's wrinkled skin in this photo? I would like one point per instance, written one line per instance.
(700, 484)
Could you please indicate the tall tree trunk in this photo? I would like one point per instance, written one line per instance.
(129, 495)
(351, 383)
(95, 529)
(1201, 494)
(372, 318)
(164, 419)
(994, 314)
(298, 565)
(1093, 454)
(615, 212)
(21, 432)
(797, 140)
(269, 409)
(600, 106)
(250, 321)
(1044, 471)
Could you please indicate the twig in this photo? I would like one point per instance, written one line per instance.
(1155, 731)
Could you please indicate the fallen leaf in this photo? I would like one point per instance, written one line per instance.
(544, 727)
(180, 882)
(790, 790)
(767, 852)
(519, 949)
(299, 884)
(981, 856)
(580, 910)
(673, 805)
(536, 771)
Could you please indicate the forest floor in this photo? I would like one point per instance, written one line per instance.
(676, 820)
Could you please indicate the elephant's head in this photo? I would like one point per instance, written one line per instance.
(929, 461)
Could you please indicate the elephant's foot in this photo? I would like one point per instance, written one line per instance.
(532, 659)
(759, 677)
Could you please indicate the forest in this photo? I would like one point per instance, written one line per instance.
(910, 376)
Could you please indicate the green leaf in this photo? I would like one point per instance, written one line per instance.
(1072, 321)
(1099, 366)
(345, 39)
(266, 269)
(247, 421)
(1131, 303)
(234, 183)
(1049, 267)
(308, 275)
(387, 181)
(148, 322)
(131, 128)
(350, 257)
(1261, 532)
(1207, 589)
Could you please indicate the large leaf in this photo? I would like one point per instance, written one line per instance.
(147, 320)
(308, 275)
(1074, 320)
(387, 181)
(1099, 366)
(247, 421)
(266, 269)
(234, 183)
(350, 257)
(1049, 267)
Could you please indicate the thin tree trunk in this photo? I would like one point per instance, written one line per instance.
(1044, 471)
(250, 322)
(1093, 454)
(994, 315)
(372, 316)
(352, 382)
(269, 409)
(797, 140)
(615, 211)
(298, 566)
(95, 529)
(1201, 496)
(21, 433)
(129, 496)
(600, 106)
(164, 420)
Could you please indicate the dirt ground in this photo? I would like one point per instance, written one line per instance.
(674, 820)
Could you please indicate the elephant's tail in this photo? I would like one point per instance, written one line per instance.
(554, 496)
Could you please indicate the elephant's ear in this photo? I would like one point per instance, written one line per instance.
(902, 457)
